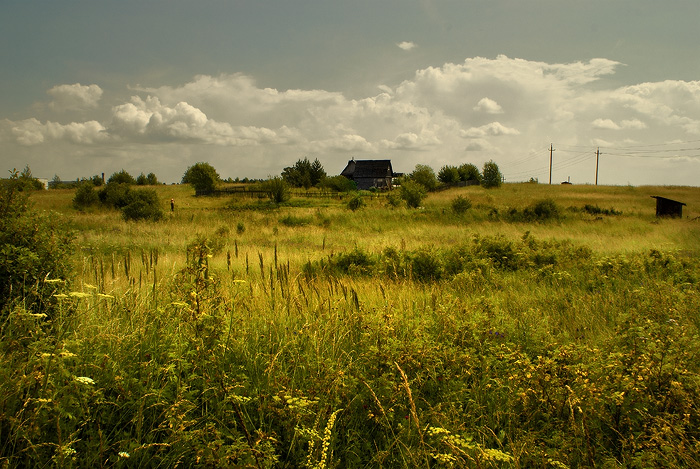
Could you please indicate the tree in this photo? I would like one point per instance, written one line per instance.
(491, 175)
(469, 172)
(448, 175)
(425, 176)
(150, 180)
(122, 177)
(202, 176)
(304, 173)
(25, 181)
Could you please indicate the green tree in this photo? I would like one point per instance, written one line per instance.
(448, 175)
(151, 179)
(202, 176)
(304, 173)
(491, 175)
(425, 176)
(114, 194)
(469, 172)
(25, 181)
(122, 177)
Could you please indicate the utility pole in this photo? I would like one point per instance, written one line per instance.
(551, 150)
(597, 156)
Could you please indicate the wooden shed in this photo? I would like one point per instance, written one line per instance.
(370, 173)
(668, 207)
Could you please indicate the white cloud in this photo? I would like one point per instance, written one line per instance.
(406, 45)
(150, 119)
(493, 129)
(440, 115)
(489, 106)
(74, 97)
(33, 132)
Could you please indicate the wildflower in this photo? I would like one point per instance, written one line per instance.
(124, 454)
(84, 380)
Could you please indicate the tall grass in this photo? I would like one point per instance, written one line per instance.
(382, 337)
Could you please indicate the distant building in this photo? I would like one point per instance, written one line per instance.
(667, 207)
(370, 173)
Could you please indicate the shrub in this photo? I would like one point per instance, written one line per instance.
(356, 202)
(34, 252)
(339, 184)
(277, 189)
(85, 196)
(426, 265)
(393, 198)
(355, 261)
(413, 193)
(202, 177)
(115, 195)
(461, 204)
(491, 175)
(143, 205)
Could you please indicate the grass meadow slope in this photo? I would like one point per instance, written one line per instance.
(542, 326)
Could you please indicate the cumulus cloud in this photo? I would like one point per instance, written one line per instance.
(441, 114)
(493, 129)
(150, 119)
(489, 106)
(406, 45)
(33, 132)
(74, 97)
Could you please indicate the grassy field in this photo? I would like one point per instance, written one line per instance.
(236, 333)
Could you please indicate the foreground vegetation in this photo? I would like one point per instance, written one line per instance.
(525, 326)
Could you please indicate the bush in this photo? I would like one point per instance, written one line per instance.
(85, 196)
(461, 204)
(202, 177)
(143, 205)
(34, 252)
(413, 193)
(356, 202)
(277, 189)
(492, 176)
(115, 195)
(339, 184)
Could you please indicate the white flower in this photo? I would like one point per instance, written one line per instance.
(84, 380)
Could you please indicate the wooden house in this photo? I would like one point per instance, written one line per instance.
(370, 173)
(668, 207)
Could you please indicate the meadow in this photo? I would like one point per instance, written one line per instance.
(239, 333)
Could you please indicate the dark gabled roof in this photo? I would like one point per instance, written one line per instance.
(368, 169)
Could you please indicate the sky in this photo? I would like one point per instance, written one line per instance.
(252, 86)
